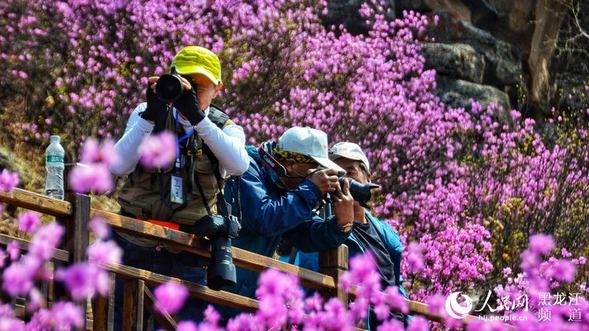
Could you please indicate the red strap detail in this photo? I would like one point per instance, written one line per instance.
(170, 225)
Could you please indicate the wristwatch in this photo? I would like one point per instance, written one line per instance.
(346, 227)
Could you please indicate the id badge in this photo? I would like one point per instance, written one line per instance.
(176, 191)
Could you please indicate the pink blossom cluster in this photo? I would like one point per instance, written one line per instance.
(92, 172)
(158, 151)
(8, 180)
(23, 272)
(282, 304)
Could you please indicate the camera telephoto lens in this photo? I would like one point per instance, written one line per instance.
(221, 271)
(168, 88)
(361, 192)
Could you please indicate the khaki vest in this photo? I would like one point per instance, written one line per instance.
(146, 193)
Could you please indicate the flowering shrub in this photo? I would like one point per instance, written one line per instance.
(23, 272)
(283, 306)
(469, 186)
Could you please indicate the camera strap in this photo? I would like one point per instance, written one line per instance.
(265, 151)
(178, 191)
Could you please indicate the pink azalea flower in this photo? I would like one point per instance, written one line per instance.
(186, 326)
(36, 300)
(541, 244)
(13, 250)
(564, 270)
(395, 300)
(94, 177)
(211, 315)
(6, 310)
(79, 279)
(94, 152)
(45, 240)
(158, 151)
(100, 228)
(41, 320)
(12, 324)
(104, 252)
(3, 257)
(17, 279)
(244, 322)
(170, 297)
(8, 180)
(418, 323)
(392, 325)
(28, 221)
(414, 257)
(103, 282)
(67, 315)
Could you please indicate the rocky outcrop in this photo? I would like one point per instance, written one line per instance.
(504, 45)
(504, 60)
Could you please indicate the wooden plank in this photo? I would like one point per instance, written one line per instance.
(419, 308)
(334, 263)
(149, 230)
(163, 319)
(256, 262)
(58, 254)
(201, 247)
(37, 202)
(199, 291)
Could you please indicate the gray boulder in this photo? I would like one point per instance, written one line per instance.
(459, 61)
(457, 93)
(503, 60)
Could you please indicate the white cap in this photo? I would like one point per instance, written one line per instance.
(350, 151)
(309, 142)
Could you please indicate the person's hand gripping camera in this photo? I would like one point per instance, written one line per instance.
(172, 90)
(327, 181)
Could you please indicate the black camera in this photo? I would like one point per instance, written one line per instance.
(360, 192)
(169, 88)
(220, 230)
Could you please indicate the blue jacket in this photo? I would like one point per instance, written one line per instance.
(268, 211)
(389, 237)
(392, 243)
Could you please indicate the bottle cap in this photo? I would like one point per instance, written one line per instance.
(54, 138)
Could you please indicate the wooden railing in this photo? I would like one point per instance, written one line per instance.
(75, 213)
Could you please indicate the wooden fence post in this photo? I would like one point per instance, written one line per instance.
(334, 263)
(76, 227)
(103, 309)
(133, 303)
(76, 238)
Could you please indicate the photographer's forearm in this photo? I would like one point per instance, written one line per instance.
(128, 146)
(228, 145)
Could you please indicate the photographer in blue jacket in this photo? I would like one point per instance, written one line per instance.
(277, 195)
(368, 234)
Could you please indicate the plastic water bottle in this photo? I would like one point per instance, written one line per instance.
(54, 164)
